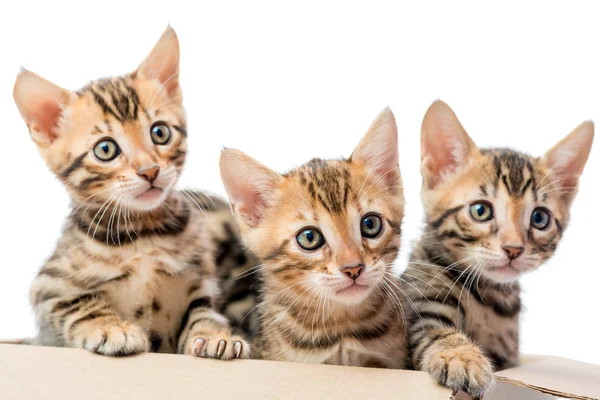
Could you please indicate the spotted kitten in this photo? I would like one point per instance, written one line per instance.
(137, 264)
(491, 216)
(327, 234)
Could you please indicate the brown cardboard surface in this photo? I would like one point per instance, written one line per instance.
(555, 376)
(506, 391)
(32, 372)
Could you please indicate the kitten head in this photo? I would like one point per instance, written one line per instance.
(498, 212)
(330, 228)
(119, 140)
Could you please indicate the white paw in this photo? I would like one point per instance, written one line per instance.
(114, 340)
(463, 368)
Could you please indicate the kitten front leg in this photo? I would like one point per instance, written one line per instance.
(206, 333)
(86, 320)
(453, 360)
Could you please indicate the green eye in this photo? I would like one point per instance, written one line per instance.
(540, 218)
(106, 150)
(481, 211)
(310, 239)
(160, 133)
(371, 226)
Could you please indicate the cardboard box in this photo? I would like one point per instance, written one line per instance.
(32, 372)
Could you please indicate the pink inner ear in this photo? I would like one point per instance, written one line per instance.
(388, 172)
(441, 160)
(445, 162)
(171, 82)
(252, 203)
(46, 117)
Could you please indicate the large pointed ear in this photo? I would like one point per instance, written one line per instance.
(378, 149)
(41, 104)
(445, 145)
(251, 187)
(162, 64)
(567, 159)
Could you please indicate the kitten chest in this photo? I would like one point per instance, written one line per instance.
(154, 295)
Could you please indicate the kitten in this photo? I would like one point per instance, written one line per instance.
(491, 216)
(136, 266)
(327, 234)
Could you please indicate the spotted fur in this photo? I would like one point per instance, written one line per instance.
(137, 267)
(462, 276)
(304, 315)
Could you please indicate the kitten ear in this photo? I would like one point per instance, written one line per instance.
(251, 187)
(162, 63)
(378, 149)
(567, 159)
(41, 104)
(445, 145)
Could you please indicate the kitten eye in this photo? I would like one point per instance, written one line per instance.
(310, 239)
(106, 150)
(371, 226)
(481, 211)
(160, 133)
(540, 218)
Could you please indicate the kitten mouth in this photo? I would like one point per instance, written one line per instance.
(152, 193)
(508, 270)
(353, 289)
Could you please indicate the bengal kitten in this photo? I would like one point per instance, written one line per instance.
(136, 266)
(327, 234)
(491, 216)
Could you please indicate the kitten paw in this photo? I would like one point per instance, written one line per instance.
(114, 340)
(221, 346)
(462, 368)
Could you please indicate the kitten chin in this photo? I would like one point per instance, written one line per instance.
(150, 199)
(353, 294)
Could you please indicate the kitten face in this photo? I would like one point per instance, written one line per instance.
(329, 234)
(328, 229)
(497, 212)
(116, 141)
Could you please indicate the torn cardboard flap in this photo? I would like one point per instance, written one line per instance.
(555, 376)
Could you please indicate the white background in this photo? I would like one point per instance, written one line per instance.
(288, 82)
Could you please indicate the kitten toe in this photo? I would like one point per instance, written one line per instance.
(124, 340)
(114, 340)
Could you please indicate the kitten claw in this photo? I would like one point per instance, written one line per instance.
(198, 345)
(221, 348)
(218, 347)
(237, 349)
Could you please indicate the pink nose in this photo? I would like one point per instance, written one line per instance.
(150, 173)
(353, 272)
(513, 251)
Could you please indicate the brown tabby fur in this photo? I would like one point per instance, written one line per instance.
(129, 275)
(460, 278)
(302, 316)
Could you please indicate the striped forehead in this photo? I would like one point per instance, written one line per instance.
(327, 184)
(116, 97)
(512, 171)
